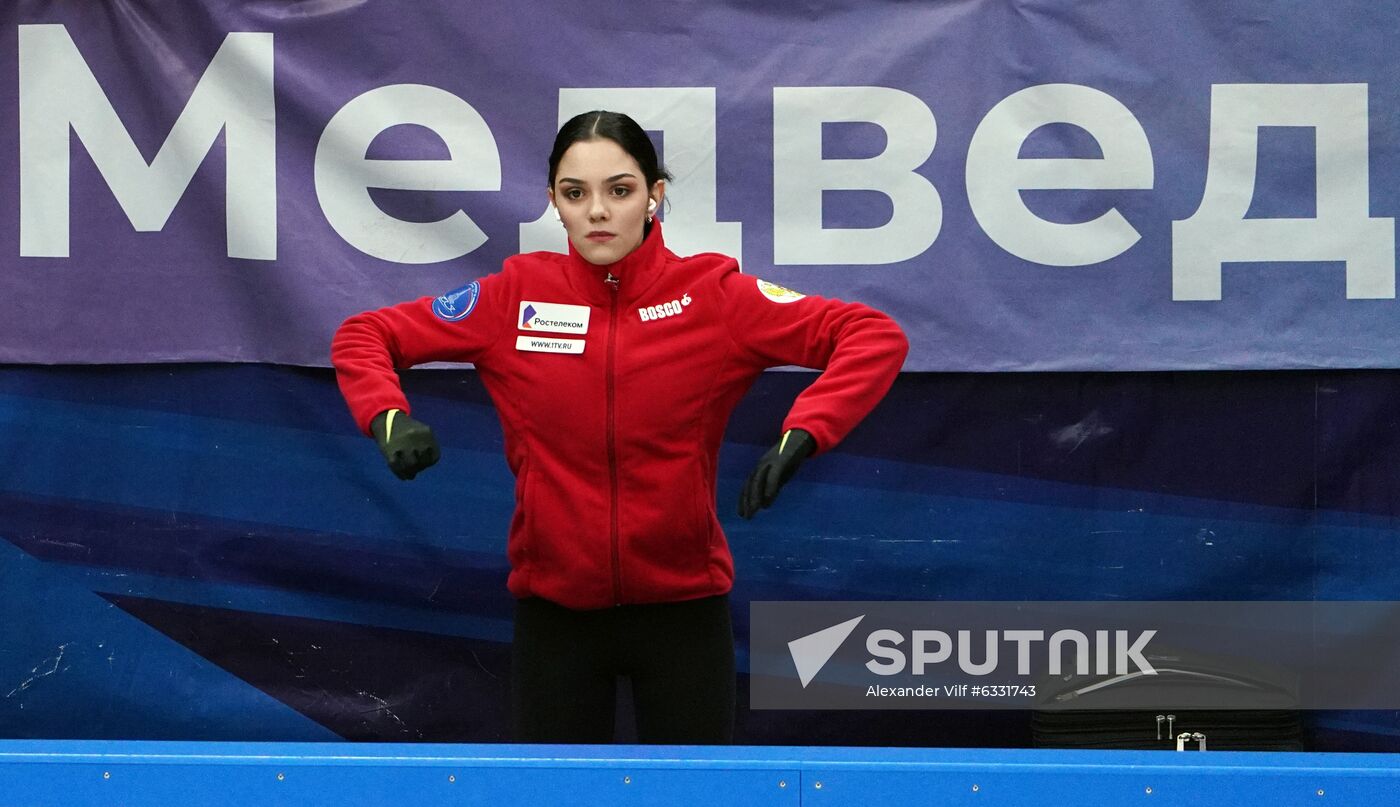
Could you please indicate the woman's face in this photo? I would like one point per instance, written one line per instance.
(602, 198)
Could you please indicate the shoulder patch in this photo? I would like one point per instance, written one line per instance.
(458, 303)
(777, 293)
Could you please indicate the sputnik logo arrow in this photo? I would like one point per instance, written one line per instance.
(813, 651)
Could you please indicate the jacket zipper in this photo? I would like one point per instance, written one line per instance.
(613, 284)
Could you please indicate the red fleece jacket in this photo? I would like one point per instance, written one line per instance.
(614, 385)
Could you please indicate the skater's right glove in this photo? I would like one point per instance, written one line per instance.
(774, 470)
(407, 445)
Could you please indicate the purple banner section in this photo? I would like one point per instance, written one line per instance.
(1024, 186)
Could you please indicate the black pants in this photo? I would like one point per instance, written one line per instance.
(679, 657)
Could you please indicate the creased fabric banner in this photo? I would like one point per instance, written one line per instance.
(1023, 185)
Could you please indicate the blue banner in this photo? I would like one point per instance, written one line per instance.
(215, 553)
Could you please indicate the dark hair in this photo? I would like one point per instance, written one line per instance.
(616, 127)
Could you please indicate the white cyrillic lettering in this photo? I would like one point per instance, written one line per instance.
(234, 95)
(996, 174)
(800, 175)
(875, 644)
(1342, 230)
(344, 176)
(686, 117)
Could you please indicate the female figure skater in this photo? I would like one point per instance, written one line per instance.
(614, 370)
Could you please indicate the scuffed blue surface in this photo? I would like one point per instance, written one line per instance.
(181, 491)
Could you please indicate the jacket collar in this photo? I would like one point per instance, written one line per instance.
(634, 274)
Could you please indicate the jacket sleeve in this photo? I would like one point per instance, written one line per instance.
(459, 326)
(860, 351)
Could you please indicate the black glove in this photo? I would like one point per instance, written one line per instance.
(407, 445)
(774, 470)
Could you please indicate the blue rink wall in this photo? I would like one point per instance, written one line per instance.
(212, 552)
(217, 774)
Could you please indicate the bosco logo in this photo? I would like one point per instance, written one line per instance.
(671, 309)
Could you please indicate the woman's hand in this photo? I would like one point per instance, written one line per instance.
(407, 445)
(774, 470)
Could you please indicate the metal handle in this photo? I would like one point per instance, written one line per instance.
(1160, 718)
(1185, 736)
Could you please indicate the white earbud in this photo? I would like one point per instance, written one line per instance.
(651, 205)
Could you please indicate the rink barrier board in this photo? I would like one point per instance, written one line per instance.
(154, 774)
